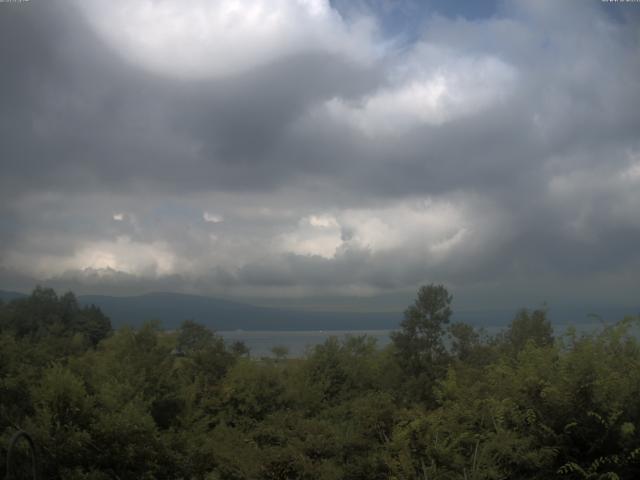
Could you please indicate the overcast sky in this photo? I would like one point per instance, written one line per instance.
(307, 147)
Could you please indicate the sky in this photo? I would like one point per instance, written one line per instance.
(304, 148)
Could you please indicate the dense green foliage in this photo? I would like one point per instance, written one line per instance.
(443, 401)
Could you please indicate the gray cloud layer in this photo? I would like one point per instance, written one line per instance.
(499, 155)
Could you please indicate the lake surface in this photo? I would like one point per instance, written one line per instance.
(260, 343)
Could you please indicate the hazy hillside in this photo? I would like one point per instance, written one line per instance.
(172, 308)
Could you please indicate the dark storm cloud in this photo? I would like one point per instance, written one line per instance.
(534, 143)
(78, 115)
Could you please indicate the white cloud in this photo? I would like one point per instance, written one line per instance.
(631, 174)
(118, 217)
(592, 197)
(317, 234)
(417, 224)
(430, 86)
(322, 221)
(125, 255)
(424, 226)
(122, 254)
(605, 180)
(212, 217)
(444, 246)
(202, 38)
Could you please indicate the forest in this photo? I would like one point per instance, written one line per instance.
(443, 401)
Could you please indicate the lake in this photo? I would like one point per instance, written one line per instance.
(260, 343)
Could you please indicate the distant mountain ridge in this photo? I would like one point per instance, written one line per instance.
(173, 308)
